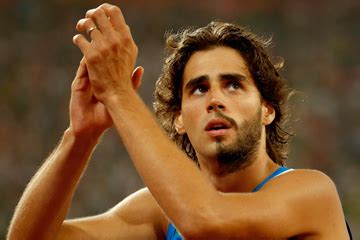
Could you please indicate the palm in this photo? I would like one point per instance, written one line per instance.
(87, 114)
(89, 117)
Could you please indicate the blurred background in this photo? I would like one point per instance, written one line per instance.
(319, 41)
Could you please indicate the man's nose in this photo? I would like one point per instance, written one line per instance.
(215, 105)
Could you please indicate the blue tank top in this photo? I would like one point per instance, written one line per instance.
(173, 234)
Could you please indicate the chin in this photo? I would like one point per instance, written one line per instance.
(224, 140)
(209, 152)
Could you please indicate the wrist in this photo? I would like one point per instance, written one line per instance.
(89, 138)
(120, 100)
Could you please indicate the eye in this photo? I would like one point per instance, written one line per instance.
(234, 85)
(199, 90)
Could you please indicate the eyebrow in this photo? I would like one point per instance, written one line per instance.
(233, 76)
(203, 78)
(196, 81)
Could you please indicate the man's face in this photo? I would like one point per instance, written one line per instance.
(221, 105)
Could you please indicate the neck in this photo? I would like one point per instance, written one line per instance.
(244, 180)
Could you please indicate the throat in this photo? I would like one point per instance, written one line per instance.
(225, 181)
(244, 180)
(231, 182)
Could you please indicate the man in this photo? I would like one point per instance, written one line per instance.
(223, 102)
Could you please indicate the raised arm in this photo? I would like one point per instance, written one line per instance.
(45, 202)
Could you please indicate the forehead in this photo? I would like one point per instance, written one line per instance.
(213, 62)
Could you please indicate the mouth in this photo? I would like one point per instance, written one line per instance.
(217, 127)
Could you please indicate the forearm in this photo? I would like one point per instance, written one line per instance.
(45, 202)
(174, 180)
(110, 56)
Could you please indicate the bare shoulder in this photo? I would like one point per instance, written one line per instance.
(136, 217)
(311, 179)
(312, 198)
(306, 186)
(143, 201)
(141, 207)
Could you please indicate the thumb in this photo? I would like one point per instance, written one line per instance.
(82, 70)
(137, 77)
(80, 87)
(81, 81)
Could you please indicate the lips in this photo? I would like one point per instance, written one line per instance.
(217, 127)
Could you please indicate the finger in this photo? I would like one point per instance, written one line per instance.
(116, 17)
(83, 76)
(80, 81)
(88, 25)
(136, 77)
(82, 43)
(81, 89)
(98, 15)
(81, 85)
(81, 71)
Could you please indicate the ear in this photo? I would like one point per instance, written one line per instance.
(179, 125)
(268, 113)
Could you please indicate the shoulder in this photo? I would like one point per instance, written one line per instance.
(136, 217)
(141, 198)
(140, 207)
(311, 197)
(312, 180)
(304, 185)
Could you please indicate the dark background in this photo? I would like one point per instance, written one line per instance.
(319, 41)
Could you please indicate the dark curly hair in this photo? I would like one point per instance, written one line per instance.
(267, 79)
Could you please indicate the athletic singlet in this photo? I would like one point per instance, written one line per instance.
(173, 234)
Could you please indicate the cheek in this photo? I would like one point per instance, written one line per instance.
(247, 104)
(191, 114)
(190, 119)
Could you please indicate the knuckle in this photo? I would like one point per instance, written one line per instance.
(114, 9)
(113, 39)
(89, 13)
(104, 51)
(106, 5)
(136, 49)
(127, 39)
(126, 34)
(93, 57)
(88, 23)
(98, 12)
(127, 28)
(110, 7)
(110, 41)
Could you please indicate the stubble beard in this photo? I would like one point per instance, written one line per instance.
(240, 153)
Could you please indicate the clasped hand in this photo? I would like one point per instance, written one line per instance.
(111, 54)
(106, 69)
